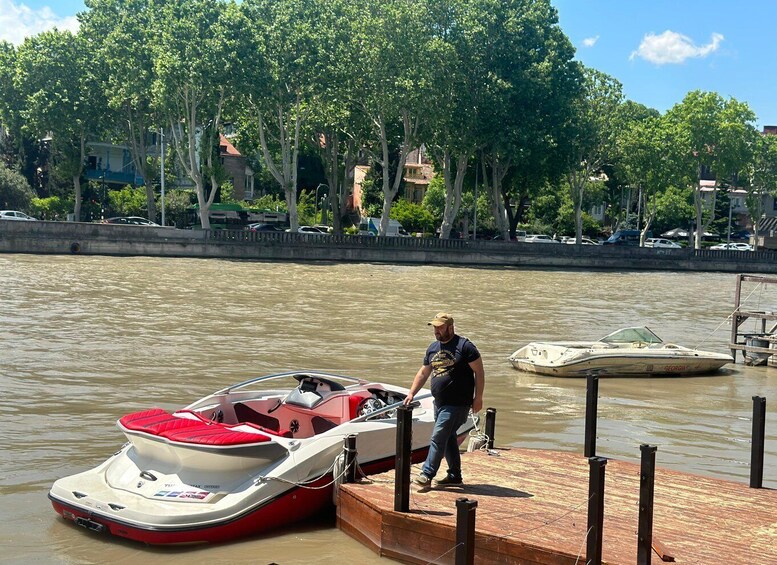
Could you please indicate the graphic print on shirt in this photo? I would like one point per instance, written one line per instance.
(442, 363)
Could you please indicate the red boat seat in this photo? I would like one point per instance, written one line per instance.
(212, 434)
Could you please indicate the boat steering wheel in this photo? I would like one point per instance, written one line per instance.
(369, 405)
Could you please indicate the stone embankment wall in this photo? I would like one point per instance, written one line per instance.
(106, 239)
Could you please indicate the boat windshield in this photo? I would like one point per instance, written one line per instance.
(631, 335)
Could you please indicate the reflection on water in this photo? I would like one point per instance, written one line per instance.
(88, 339)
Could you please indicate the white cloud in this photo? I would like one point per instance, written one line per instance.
(17, 21)
(590, 41)
(671, 47)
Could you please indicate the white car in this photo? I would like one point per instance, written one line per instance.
(583, 241)
(732, 247)
(539, 238)
(661, 242)
(309, 230)
(14, 215)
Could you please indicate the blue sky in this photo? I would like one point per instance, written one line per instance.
(658, 49)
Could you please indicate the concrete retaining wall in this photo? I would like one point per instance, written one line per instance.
(107, 239)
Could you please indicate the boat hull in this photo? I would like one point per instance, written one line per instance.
(648, 363)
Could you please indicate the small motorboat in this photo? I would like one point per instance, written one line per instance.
(242, 460)
(628, 352)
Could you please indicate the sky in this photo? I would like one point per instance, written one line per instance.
(658, 49)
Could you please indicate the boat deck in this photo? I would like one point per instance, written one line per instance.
(532, 508)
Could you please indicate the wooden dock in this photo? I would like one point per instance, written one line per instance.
(532, 508)
(739, 316)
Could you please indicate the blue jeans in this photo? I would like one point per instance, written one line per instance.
(444, 442)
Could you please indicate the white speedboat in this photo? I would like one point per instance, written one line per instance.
(241, 460)
(628, 352)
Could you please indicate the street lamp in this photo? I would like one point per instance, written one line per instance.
(316, 205)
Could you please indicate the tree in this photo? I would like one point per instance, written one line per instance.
(59, 99)
(279, 86)
(709, 134)
(591, 136)
(761, 177)
(119, 32)
(197, 53)
(15, 191)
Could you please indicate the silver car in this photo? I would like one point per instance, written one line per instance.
(14, 215)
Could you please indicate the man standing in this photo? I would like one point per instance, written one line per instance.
(458, 380)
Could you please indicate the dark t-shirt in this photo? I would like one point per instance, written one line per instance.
(453, 380)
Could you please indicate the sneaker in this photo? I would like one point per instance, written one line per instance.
(449, 480)
(423, 480)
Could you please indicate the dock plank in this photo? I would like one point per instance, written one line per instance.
(532, 508)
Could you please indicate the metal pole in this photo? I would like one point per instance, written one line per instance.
(647, 479)
(591, 402)
(475, 223)
(162, 171)
(490, 426)
(465, 531)
(402, 465)
(757, 448)
(593, 554)
(728, 235)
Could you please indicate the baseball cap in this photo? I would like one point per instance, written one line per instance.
(441, 319)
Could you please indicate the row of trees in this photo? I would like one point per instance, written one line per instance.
(483, 84)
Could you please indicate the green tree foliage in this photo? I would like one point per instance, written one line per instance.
(15, 191)
(51, 208)
(129, 202)
(413, 217)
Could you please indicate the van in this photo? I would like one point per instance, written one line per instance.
(626, 237)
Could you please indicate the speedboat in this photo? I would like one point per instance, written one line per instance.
(628, 352)
(240, 461)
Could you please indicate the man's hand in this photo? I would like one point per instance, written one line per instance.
(408, 399)
(477, 405)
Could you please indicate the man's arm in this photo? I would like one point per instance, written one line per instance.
(480, 383)
(418, 382)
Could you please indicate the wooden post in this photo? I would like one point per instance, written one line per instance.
(591, 402)
(735, 317)
(757, 447)
(465, 531)
(350, 458)
(490, 426)
(593, 554)
(647, 479)
(402, 466)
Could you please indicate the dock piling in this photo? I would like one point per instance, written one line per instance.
(591, 402)
(402, 466)
(647, 477)
(490, 426)
(593, 554)
(757, 447)
(465, 531)
(350, 458)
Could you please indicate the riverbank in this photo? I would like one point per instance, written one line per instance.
(126, 240)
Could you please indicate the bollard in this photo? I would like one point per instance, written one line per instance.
(593, 554)
(647, 478)
(490, 426)
(591, 402)
(350, 458)
(757, 448)
(465, 531)
(402, 466)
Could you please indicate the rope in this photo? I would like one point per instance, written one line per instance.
(304, 484)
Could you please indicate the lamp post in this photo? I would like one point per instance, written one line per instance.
(102, 205)
(317, 201)
(730, 206)
(162, 171)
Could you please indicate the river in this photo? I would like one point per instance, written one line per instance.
(85, 340)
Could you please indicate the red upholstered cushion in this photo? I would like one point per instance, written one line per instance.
(213, 434)
(139, 421)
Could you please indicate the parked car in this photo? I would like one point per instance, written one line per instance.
(14, 215)
(626, 237)
(265, 227)
(540, 238)
(571, 240)
(661, 242)
(738, 246)
(130, 221)
(310, 230)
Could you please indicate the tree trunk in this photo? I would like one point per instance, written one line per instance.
(77, 190)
